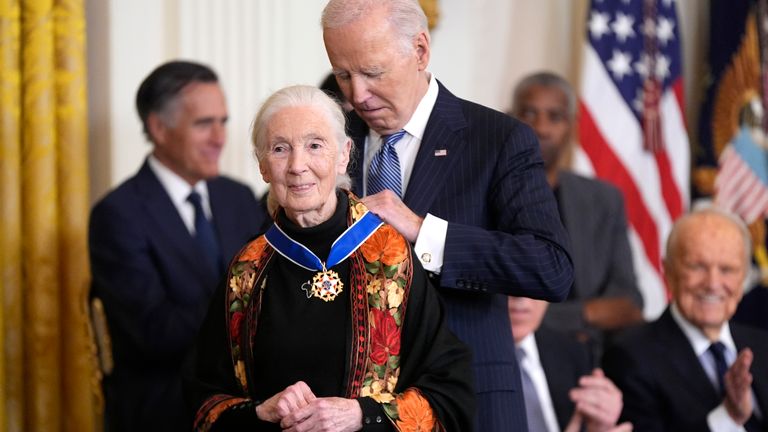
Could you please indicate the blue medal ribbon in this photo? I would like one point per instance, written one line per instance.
(342, 247)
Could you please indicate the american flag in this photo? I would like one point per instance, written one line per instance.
(632, 130)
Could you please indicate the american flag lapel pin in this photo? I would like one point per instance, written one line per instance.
(441, 152)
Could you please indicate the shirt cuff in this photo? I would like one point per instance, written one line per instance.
(430, 243)
(719, 420)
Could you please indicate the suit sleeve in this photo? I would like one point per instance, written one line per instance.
(149, 323)
(620, 281)
(525, 251)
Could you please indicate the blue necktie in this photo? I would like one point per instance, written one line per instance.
(384, 171)
(204, 234)
(533, 411)
(718, 353)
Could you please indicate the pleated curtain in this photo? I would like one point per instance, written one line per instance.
(47, 366)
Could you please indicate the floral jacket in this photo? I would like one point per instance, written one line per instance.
(403, 357)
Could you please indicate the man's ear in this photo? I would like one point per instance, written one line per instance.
(157, 128)
(422, 50)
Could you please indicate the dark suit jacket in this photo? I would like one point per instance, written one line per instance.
(504, 236)
(155, 285)
(665, 387)
(593, 214)
(564, 361)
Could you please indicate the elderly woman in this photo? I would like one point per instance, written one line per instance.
(326, 323)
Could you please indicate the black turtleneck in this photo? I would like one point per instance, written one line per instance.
(300, 338)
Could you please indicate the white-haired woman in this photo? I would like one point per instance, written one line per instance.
(326, 323)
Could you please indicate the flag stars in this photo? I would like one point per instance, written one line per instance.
(598, 25)
(642, 67)
(665, 30)
(620, 64)
(662, 67)
(622, 26)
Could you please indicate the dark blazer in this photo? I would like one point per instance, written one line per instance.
(594, 216)
(504, 236)
(665, 387)
(156, 286)
(564, 361)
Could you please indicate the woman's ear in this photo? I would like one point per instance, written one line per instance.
(341, 165)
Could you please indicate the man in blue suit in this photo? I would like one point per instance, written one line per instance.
(159, 243)
(473, 198)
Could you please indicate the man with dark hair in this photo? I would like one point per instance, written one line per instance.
(159, 243)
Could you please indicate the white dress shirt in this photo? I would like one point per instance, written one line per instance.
(178, 190)
(718, 419)
(430, 242)
(531, 363)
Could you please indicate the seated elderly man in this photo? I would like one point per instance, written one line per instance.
(692, 370)
(560, 392)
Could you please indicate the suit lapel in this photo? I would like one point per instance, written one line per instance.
(560, 373)
(683, 361)
(161, 209)
(440, 149)
(442, 136)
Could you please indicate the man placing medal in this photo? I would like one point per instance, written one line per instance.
(326, 322)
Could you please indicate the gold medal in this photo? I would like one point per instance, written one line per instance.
(326, 285)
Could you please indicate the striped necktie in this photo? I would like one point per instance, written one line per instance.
(384, 171)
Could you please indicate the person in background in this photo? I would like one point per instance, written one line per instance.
(331, 88)
(159, 243)
(327, 322)
(604, 297)
(461, 182)
(561, 390)
(692, 369)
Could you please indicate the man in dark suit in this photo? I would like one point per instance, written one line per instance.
(561, 390)
(471, 193)
(157, 254)
(604, 296)
(692, 369)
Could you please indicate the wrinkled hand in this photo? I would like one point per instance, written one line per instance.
(738, 381)
(330, 414)
(391, 209)
(277, 407)
(598, 401)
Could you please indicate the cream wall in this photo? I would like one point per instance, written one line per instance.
(480, 48)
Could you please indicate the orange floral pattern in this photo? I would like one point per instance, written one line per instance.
(253, 251)
(415, 413)
(385, 245)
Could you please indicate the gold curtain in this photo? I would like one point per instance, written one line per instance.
(46, 364)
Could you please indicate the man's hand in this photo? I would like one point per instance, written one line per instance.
(294, 397)
(598, 402)
(330, 414)
(391, 209)
(738, 381)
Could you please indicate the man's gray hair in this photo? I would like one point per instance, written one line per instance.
(406, 17)
(300, 96)
(547, 80)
